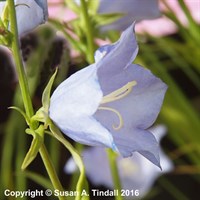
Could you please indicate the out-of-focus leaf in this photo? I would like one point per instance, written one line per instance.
(175, 192)
(105, 19)
(61, 27)
(177, 52)
(93, 6)
(21, 112)
(190, 33)
(193, 26)
(40, 180)
(72, 5)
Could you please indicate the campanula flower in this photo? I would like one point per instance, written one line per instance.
(135, 172)
(112, 102)
(132, 10)
(30, 14)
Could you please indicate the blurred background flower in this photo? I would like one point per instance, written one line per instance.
(136, 172)
(131, 9)
(35, 11)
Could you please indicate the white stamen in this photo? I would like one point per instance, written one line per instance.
(120, 93)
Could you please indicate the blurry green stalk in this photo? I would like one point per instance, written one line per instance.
(112, 157)
(88, 31)
(26, 94)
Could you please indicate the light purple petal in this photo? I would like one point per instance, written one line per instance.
(117, 56)
(87, 131)
(72, 105)
(140, 108)
(128, 141)
(116, 81)
(44, 5)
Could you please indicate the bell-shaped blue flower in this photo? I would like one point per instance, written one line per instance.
(112, 102)
(30, 14)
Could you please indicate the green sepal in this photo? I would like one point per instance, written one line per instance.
(82, 181)
(35, 146)
(40, 116)
(47, 92)
(21, 112)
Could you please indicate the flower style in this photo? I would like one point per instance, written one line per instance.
(132, 10)
(135, 172)
(30, 14)
(112, 102)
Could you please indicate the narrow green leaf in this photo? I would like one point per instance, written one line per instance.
(72, 5)
(93, 6)
(38, 178)
(108, 18)
(193, 26)
(21, 112)
(61, 27)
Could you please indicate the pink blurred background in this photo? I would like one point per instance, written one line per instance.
(157, 27)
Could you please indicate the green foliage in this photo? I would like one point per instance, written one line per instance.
(79, 26)
(105, 19)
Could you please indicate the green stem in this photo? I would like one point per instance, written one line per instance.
(21, 181)
(23, 83)
(89, 33)
(114, 171)
(50, 169)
